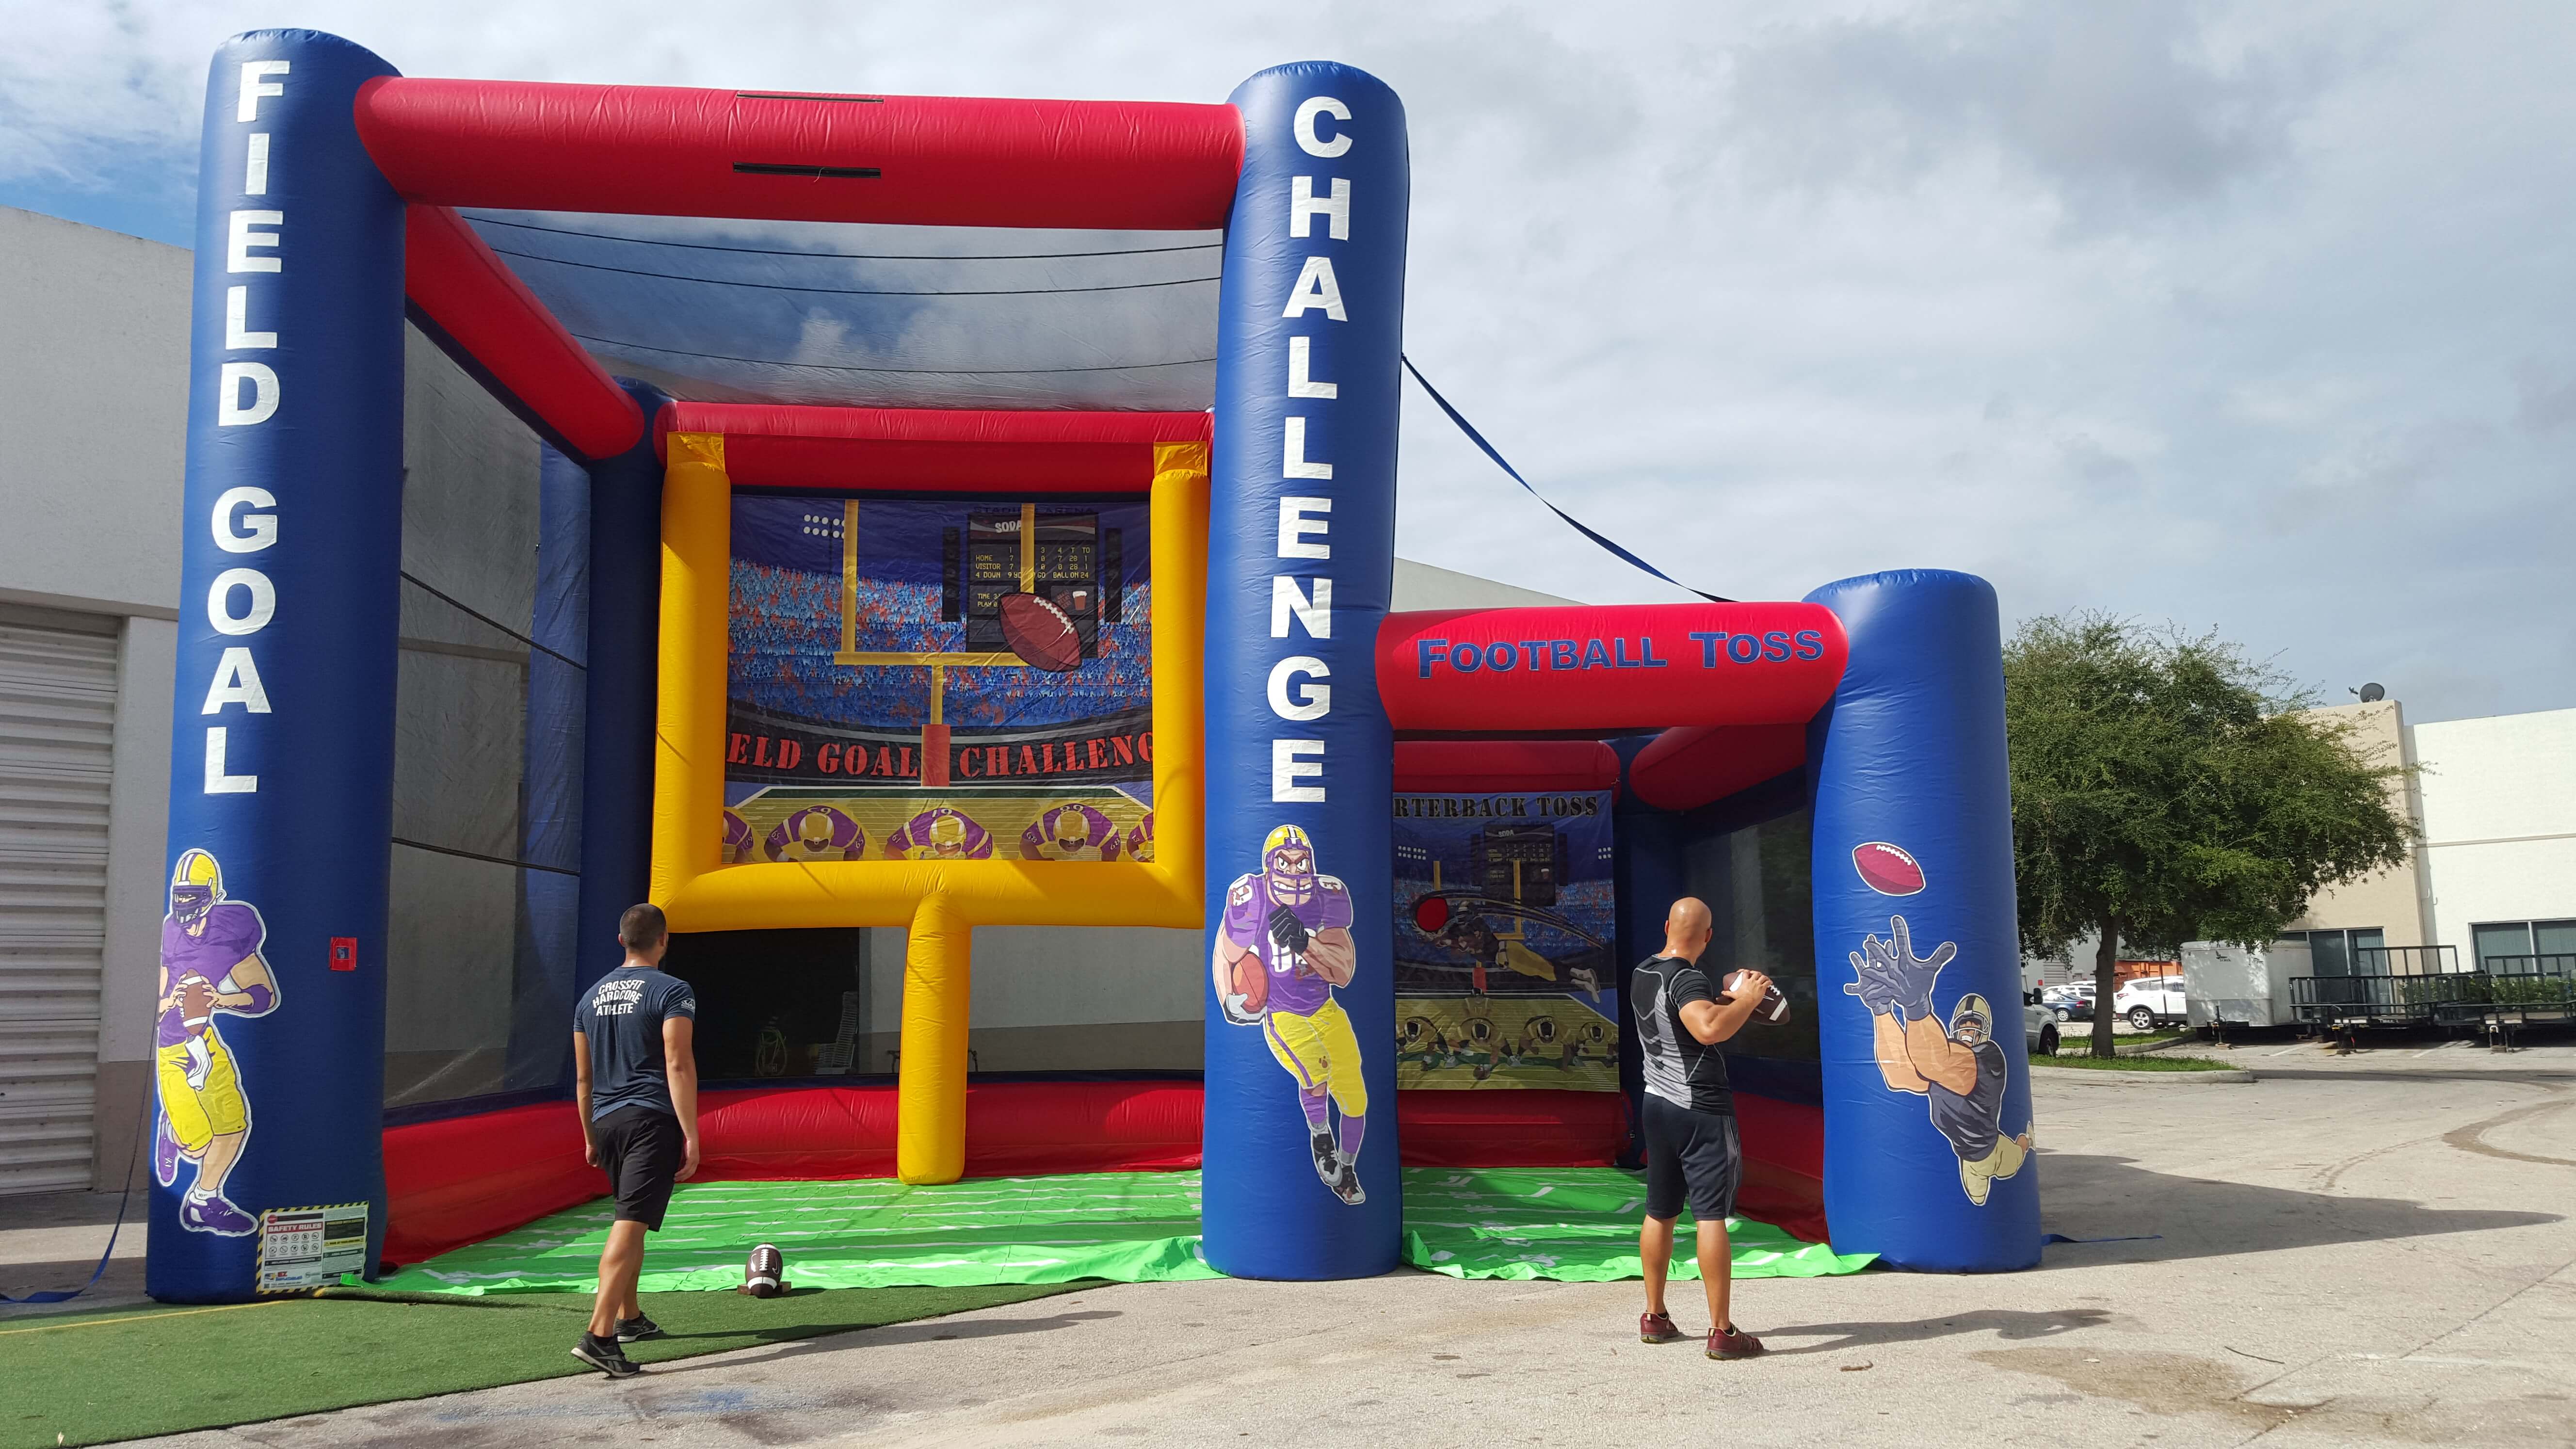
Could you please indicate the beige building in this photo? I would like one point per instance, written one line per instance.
(2386, 917)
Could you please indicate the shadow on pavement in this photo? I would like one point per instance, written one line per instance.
(813, 1337)
(2091, 1196)
(2003, 1322)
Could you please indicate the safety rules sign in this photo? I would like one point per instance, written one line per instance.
(310, 1247)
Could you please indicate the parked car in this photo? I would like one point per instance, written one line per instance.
(2069, 1002)
(2039, 1028)
(2148, 1000)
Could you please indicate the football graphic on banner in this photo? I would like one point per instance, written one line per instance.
(1886, 869)
(1040, 633)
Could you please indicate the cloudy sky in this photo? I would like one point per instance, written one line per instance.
(2255, 318)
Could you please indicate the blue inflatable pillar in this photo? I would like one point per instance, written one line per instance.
(618, 700)
(1300, 760)
(269, 1043)
(1926, 1112)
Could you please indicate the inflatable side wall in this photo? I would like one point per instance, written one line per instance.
(269, 1045)
(1927, 1089)
(1300, 1176)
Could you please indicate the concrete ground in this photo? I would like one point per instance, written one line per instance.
(2352, 1250)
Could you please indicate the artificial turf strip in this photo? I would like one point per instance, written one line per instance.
(1577, 1224)
(129, 1373)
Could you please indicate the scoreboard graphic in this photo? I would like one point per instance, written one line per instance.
(965, 678)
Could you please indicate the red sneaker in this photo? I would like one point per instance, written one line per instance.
(1658, 1328)
(1732, 1343)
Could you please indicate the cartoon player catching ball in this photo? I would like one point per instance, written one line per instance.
(210, 964)
(1284, 945)
(1958, 1069)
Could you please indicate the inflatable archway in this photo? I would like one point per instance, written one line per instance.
(328, 213)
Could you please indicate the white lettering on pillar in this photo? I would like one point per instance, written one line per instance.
(1301, 371)
(1317, 289)
(218, 780)
(1296, 522)
(239, 532)
(236, 682)
(237, 334)
(1288, 700)
(1288, 602)
(1293, 462)
(255, 171)
(244, 235)
(219, 602)
(1307, 140)
(1335, 207)
(255, 85)
(1289, 765)
(230, 410)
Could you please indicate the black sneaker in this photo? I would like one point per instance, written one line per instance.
(629, 1330)
(1328, 1158)
(604, 1355)
(1347, 1186)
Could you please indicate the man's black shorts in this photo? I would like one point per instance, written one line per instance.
(641, 1149)
(1697, 1150)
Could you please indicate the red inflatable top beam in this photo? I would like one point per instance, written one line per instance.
(1476, 767)
(1685, 768)
(916, 160)
(485, 310)
(942, 449)
(1608, 669)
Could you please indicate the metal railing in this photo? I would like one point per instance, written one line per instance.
(2406, 961)
(2544, 984)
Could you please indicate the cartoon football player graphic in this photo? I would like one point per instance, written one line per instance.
(1284, 945)
(817, 832)
(1959, 1069)
(1140, 839)
(210, 964)
(939, 833)
(1070, 832)
(738, 842)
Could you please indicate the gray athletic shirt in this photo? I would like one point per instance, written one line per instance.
(623, 1016)
(1679, 1067)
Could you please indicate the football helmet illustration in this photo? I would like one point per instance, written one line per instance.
(1288, 865)
(195, 885)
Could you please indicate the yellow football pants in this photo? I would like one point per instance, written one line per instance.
(198, 1115)
(1320, 1050)
(1978, 1177)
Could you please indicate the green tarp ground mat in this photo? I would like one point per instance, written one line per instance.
(1574, 1224)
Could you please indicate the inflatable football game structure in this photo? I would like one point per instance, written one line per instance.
(1282, 684)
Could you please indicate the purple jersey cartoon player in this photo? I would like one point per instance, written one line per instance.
(210, 963)
(939, 833)
(1286, 943)
(738, 842)
(817, 832)
(1070, 832)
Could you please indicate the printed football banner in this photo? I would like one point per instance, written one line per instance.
(1503, 928)
(961, 679)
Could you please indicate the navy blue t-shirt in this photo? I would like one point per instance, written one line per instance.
(623, 1017)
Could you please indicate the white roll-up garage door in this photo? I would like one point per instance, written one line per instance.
(57, 722)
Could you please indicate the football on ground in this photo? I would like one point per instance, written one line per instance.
(1040, 633)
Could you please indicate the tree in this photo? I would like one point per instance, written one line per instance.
(2169, 789)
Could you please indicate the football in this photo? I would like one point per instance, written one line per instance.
(1430, 913)
(1040, 633)
(1886, 869)
(1252, 982)
(197, 1000)
(761, 1274)
(1774, 1008)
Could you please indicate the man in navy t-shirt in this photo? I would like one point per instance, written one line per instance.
(636, 1086)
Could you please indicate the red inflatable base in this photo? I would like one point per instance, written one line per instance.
(464, 1179)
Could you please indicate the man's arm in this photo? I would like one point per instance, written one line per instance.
(1334, 955)
(1938, 1058)
(680, 1065)
(255, 992)
(581, 1094)
(1887, 1043)
(1716, 1021)
(1221, 968)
